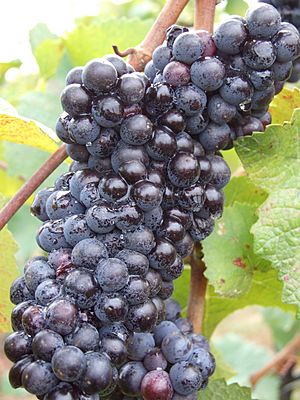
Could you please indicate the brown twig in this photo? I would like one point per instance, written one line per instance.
(280, 359)
(140, 55)
(29, 187)
(198, 285)
(204, 14)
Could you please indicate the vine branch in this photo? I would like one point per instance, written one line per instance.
(282, 358)
(198, 286)
(204, 15)
(141, 54)
(29, 187)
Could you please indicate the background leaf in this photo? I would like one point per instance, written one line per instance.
(284, 104)
(219, 390)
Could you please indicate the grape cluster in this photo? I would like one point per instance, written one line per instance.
(116, 227)
(290, 13)
(222, 84)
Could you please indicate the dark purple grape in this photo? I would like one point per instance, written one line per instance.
(75, 100)
(155, 359)
(74, 76)
(142, 317)
(104, 143)
(154, 279)
(183, 169)
(230, 36)
(88, 252)
(136, 130)
(19, 292)
(16, 371)
(131, 88)
(101, 218)
(156, 385)
(98, 374)
(208, 74)
(263, 21)
(33, 320)
(85, 337)
(99, 76)
(111, 307)
(108, 111)
(161, 57)
(17, 345)
(61, 316)
(82, 288)
(185, 378)
(38, 207)
(187, 48)
(83, 130)
(68, 363)
(112, 274)
(136, 291)
(38, 378)
(130, 378)
(76, 229)
(77, 152)
(118, 62)
(190, 99)
(45, 343)
(176, 73)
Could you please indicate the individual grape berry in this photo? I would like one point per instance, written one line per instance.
(282, 71)
(104, 144)
(17, 312)
(236, 90)
(214, 137)
(156, 385)
(287, 45)
(129, 218)
(152, 219)
(83, 130)
(74, 76)
(185, 378)
(82, 288)
(112, 187)
(171, 229)
(63, 391)
(85, 337)
(98, 374)
(101, 218)
(131, 88)
(116, 329)
(203, 226)
(130, 378)
(108, 111)
(147, 195)
(154, 359)
(17, 345)
(196, 124)
(214, 201)
(162, 330)
(45, 343)
(162, 255)
(173, 271)
(173, 311)
(118, 62)
(111, 307)
(124, 153)
(61, 128)
(208, 74)
(191, 199)
(220, 111)
(174, 120)
(139, 344)
(112, 274)
(99, 76)
(33, 320)
(183, 169)
(150, 71)
(230, 36)
(141, 240)
(162, 145)
(60, 258)
(154, 279)
(68, 363)
(209, 47)
(80, 179)
(161, 57)
(137, 263)
(88, 252)
(190, 99)
(61, 316)
(204, 361)
(63, 181)
(263, 21)
(51, 235)
(61, 204)
(259, 54)
(141, 317)
(38, 207)
(38, 378)
(133, 171)
(187, 48)
(136, 130)
(262, 79)
(173, 32)
(19, 292)
(115, 348)
(176, 73)
(36, 272)
(76, 229)
(77, 152)
(167, 289)
(89, 195)
(220, 172)
(136, 291)
(16, 371)
(75, 100)
(158, 99)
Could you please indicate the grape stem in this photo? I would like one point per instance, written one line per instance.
(139, 56)
(34, 182)
(279, 361)
(204, 15)
(198, 285)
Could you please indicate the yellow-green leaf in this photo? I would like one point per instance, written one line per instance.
(5, 66)
(283, 105)
(25, 131)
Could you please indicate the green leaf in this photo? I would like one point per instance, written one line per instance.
(284, 104)
(242, 190)
(265, 291)
(271, 159)
(219, 390)
(8, 272)
(5, 66)
(247, 357)
(223, 369)
(96, 37)
(277, 239)
(230, 269)
(47, 49)
(9, 184)
(236, 7)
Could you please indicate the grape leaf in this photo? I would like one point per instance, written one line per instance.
(8, 272)
(265, 291)
(272, 162)
(271, 159)
(277, 239)
(219, 390)
(25, 131)
(230, 271)
(236, 7)
(95, 37)
(241, 189)
(283, 105)
(9, 184)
